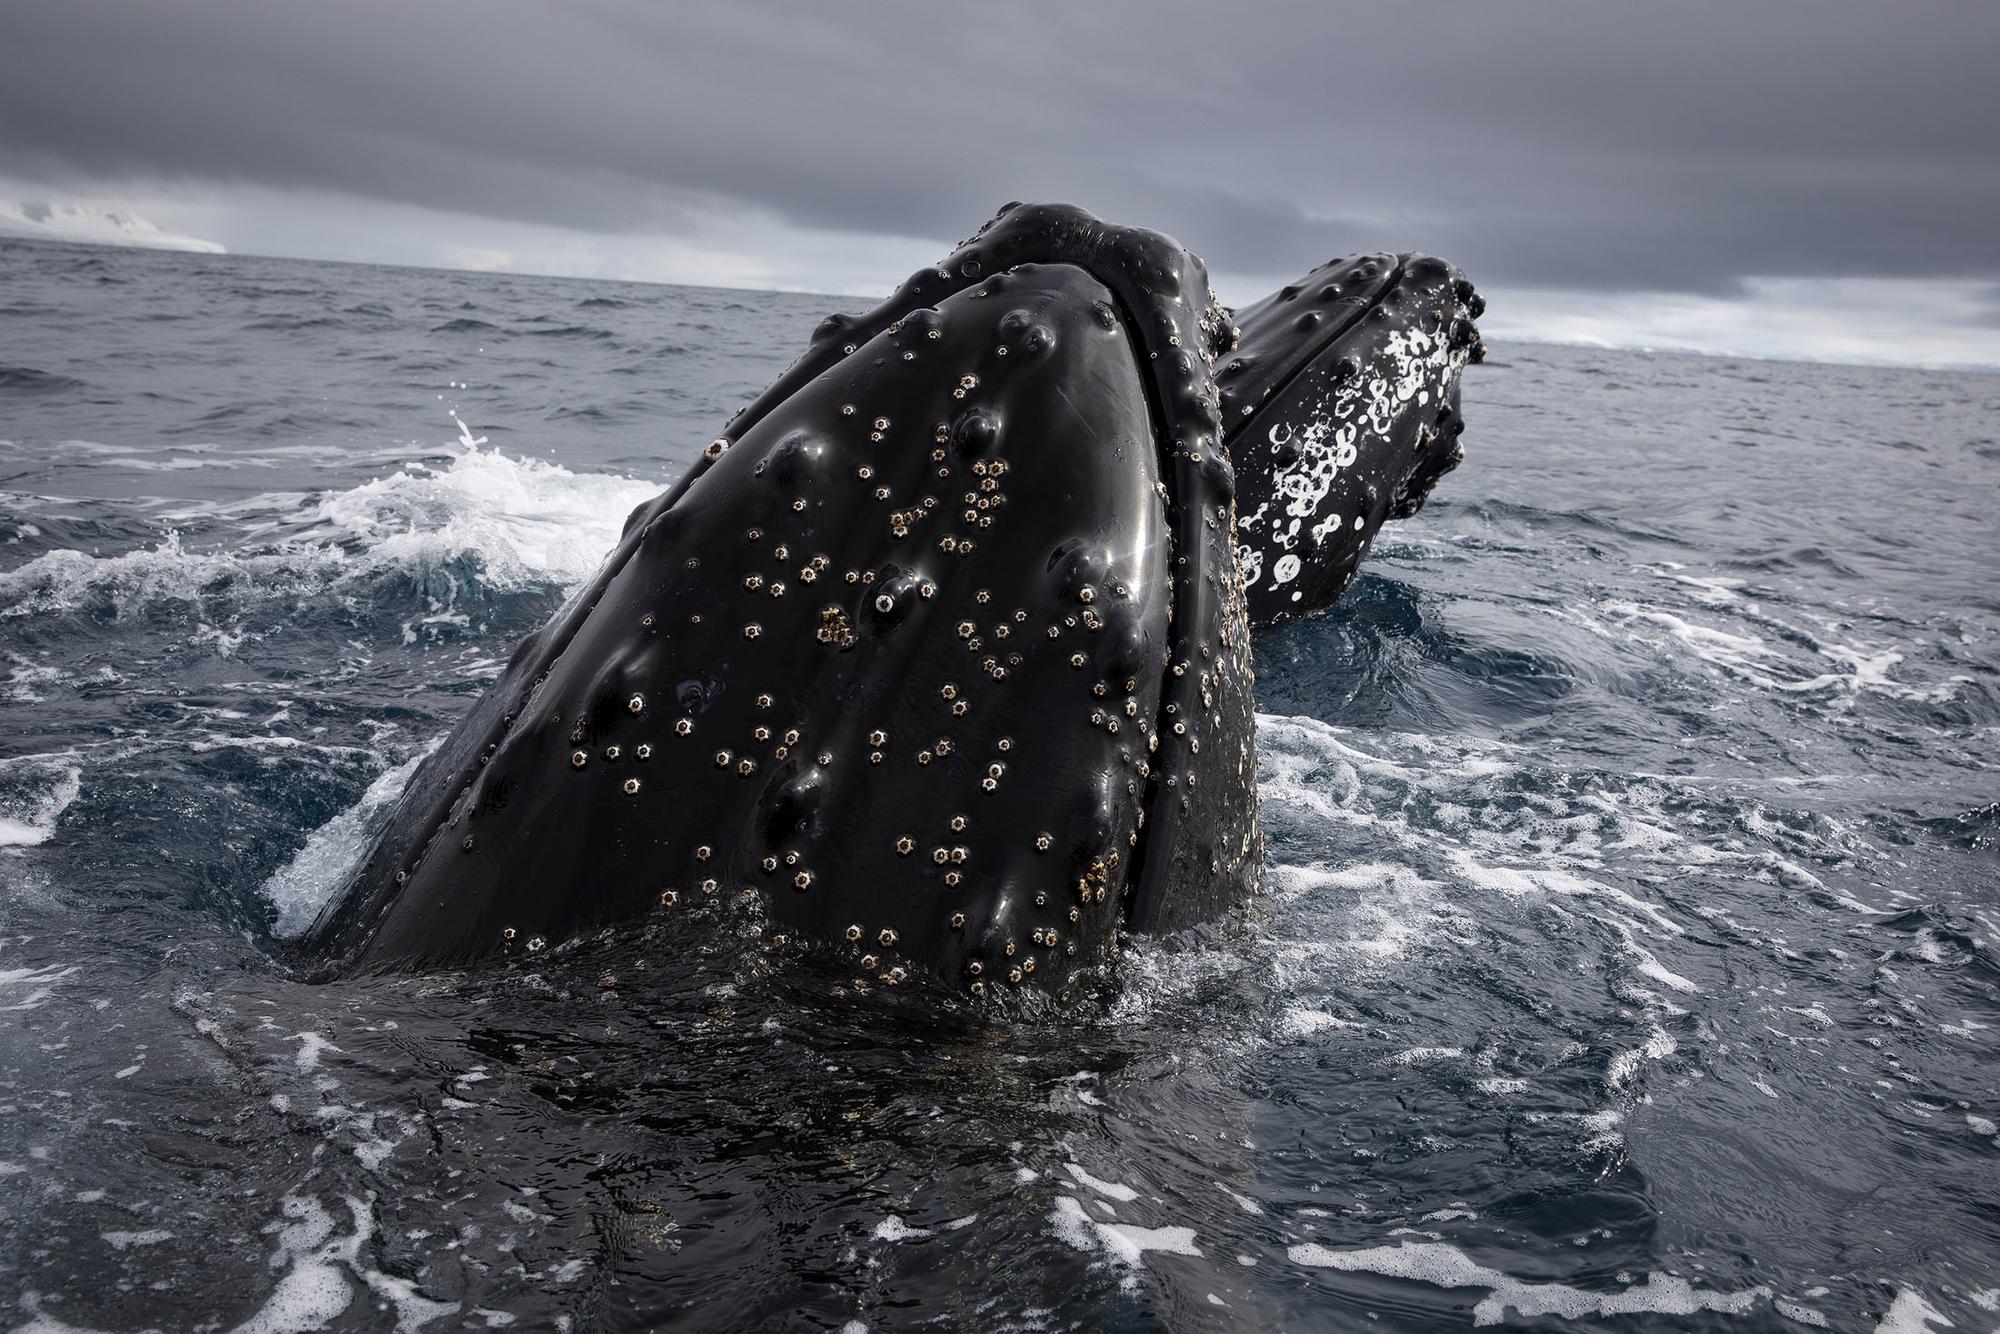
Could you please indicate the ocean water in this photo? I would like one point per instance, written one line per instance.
(1629, 959)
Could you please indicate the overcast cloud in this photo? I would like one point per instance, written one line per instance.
(1798, 177)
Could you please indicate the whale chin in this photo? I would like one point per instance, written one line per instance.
(938, 656)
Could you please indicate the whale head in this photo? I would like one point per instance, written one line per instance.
(938, 656)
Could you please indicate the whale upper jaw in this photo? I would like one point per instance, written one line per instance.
(939, 654)
(1341, 411)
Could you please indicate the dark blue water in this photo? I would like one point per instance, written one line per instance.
(1629, 961)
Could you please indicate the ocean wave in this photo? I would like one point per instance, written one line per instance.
(507, 523)
(582, 331)
(1397, 859)
(35, 790)
(1445, 1266)
(526, 521)
(1748, 655)
(289, 322)
(26, 381)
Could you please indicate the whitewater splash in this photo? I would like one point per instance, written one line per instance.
(302, 885)
(483, 518)
(35, 790)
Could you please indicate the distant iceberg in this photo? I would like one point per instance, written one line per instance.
(95, 225)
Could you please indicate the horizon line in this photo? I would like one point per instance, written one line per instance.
(1532, 340)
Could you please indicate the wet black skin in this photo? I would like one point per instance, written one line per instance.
(939, 654)
(1317, 428)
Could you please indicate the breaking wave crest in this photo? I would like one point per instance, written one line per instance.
(484, 517)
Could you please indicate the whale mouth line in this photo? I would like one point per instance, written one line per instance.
(1303, 358)
(1163, 453)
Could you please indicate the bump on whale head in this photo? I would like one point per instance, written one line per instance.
(939, 653)
(1340, 406)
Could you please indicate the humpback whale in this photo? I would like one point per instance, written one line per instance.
(939, 654)
(1341, 410)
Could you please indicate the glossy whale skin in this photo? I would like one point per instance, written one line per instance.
(1341, 410)
(938, 655)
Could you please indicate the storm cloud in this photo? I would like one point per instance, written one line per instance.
(1539, 143)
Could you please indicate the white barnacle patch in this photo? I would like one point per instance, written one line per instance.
(1248, 558)
(1286, 569)
(1413, 366)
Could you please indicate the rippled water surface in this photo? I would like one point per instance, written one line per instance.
(1628, 958)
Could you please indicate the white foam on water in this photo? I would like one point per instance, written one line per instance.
(317, 870)
(1658, 1045)
(1388, 908)
(1501, 1088)
(311, 1047)
(1243, 1202)
(528, 521)
(1311, 775)
(520, 522)
(1110, 1189)
(165, 572)
(1553, 882)
(1744, 655)
(1911, 1314)
(1444, 1265)
(29, 988)
(893, 1228)
(1425, 1056)
(1597, 1132)
(37, 790)
(1445, 821)
(314, 1289)
(151, 1236)
(1750, 657)
(1798, 1312)
(1653, 968)
(1715, 590)
(1439, 815)
(1300, 1021)
(1123, 1242)
(25, 676)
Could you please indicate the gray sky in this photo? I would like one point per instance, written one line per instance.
(1797, 176)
